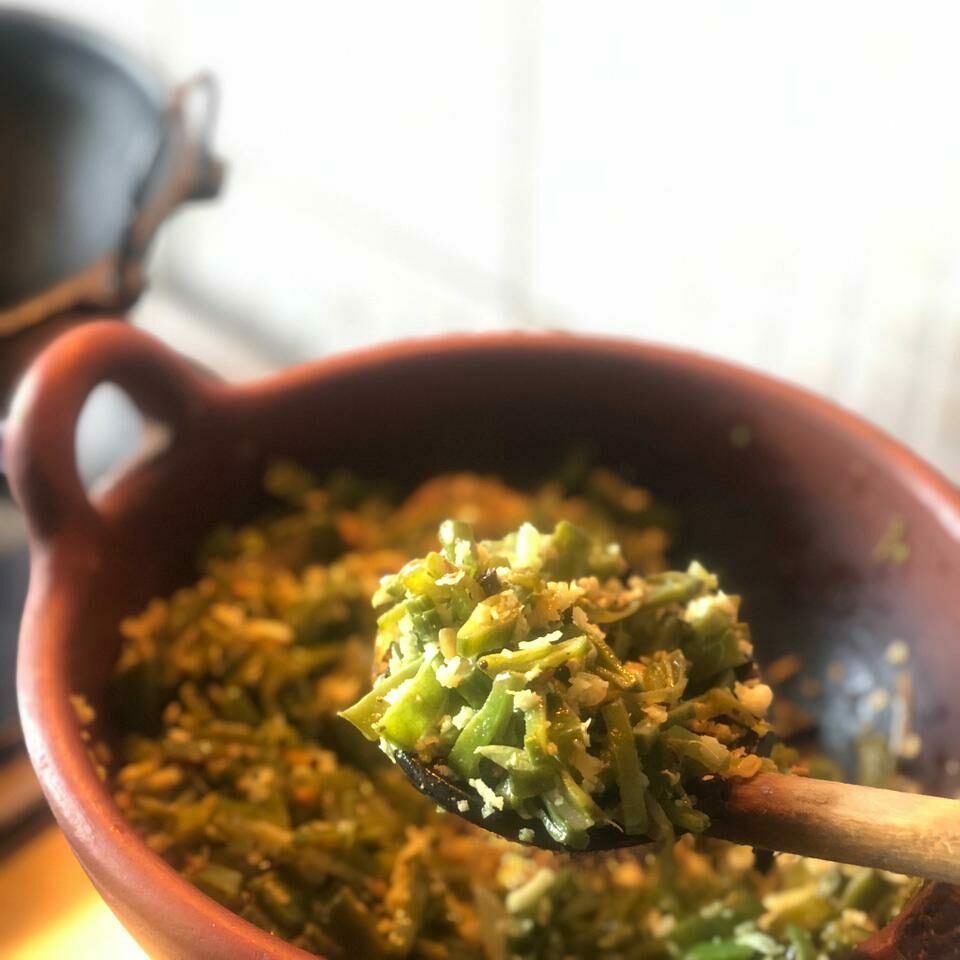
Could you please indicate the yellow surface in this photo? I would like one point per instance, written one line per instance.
(51, 911)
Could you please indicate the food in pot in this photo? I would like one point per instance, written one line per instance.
(535, 671)
(235, 768)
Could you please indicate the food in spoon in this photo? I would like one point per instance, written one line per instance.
(233, 766)
(534, 670)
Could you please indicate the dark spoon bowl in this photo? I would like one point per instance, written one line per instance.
(507, 824)
(790, 514)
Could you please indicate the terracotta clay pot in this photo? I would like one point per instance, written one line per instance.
(789, 515)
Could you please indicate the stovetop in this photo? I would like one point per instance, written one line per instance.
(13, 587)
(18, 793)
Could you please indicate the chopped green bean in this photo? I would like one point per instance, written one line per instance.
(485, 726)
(417, 709)
(630, 778)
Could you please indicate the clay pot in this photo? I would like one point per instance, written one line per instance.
(783, 494)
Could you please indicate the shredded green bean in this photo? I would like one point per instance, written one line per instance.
(680, 702)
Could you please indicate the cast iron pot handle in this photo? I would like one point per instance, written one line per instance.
(194, 174)
(39, 444)
(184, 168)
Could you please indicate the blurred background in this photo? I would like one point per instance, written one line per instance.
(778, 184)
(775, 183)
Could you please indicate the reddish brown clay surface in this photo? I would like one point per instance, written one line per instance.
(791, 519)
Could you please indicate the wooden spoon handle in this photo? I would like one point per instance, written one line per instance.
(903, 832)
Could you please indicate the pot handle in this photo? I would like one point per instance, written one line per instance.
(184, 168)
(39, 442)
(194, 174)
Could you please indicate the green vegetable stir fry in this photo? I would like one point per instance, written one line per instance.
(236, 769)
(531, 670)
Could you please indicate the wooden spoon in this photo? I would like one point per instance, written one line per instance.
(903, 832)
